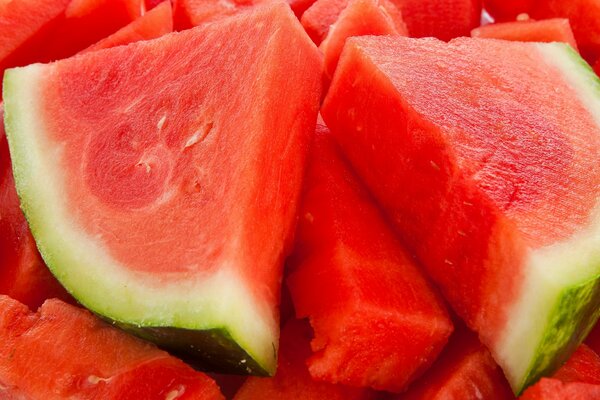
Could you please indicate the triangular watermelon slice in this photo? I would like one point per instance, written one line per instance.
(153, 24)
(161, 179)
(484, 154)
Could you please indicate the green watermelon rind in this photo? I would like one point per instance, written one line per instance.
(238, 342)
(569, 273)
(574, 314)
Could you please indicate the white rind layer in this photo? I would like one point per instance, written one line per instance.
(85, 267)
(551, 270)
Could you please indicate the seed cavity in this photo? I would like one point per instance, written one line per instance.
(161, 122)
(175, 393)
(199, 135)
(94, 380)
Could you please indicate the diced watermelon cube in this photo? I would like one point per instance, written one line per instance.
(548, 30)
(377, 321)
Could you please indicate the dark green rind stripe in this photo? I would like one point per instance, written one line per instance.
(573, 316)
(211, 350)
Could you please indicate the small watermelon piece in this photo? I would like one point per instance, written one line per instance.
(360, 17)
(300, 6)
(579, 378)
(153, 24)
(23, 274)
(508, 10)
(320, 16)
(465, 370)
(190, 13)
(86, 22)
(377, 321)
(176, 216)
(585, 21)
(441, 19)
(484, 154)
(23, 24)
(35, 359)
(549, 30)
(292, 380)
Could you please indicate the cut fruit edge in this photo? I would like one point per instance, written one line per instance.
(221, 304)
(560, 296)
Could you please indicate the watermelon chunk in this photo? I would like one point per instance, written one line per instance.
(35, 359)
(320, 16)
(23, 24)
(190, 13)
(176, 216)
(492, 148)
(549, 30)
(585, 21)
(441, 19)
(292, 380)
(579, 378)
(377, 321)
(360, 17)
(465, 370)
(154, 24)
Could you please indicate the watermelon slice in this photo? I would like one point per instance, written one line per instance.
(360, 17)
(176, 216)
(377, 321)
(579, 378)
(585, 21)
(107, 364)
(155, 23)
(23, 24)
(508, 10)
(465, 370)
(549, 30)
(492, 147)
(293, 380)
(190, 13)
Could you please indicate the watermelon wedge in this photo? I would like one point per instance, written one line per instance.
(153, 24)
(292, 380)
(585, 21)
(465, 370)
(549, 30)
(106, 363)
(492, 148)
(578, 379)
(352, 286)
(360, 17)
(176, 216)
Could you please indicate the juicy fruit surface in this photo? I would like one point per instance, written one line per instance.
(190, 13)
(486, 179)
(550, 30)
(465, 370)
(153, 24)
(292, 380)
(103, 363)
(359, 18)
(320, 16)
(166, 184)
(351, 285)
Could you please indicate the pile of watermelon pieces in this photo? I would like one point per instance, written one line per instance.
(301, 199)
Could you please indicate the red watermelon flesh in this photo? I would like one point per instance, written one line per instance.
(377, 321)
(507, 10)
(300, 6)
(190, 13)
(84, 23)
(549, 30)
(593, 339)
(150, 4)
(188, 166)
(585, 21)
(495, 193)
(360, 17)
(23, 274)
(153, 24)
(292, 380)
(579, 378)
(441, 19)
(597, 67)
(320, 16)
(23, 24)
(62, 351)
(464, 371)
